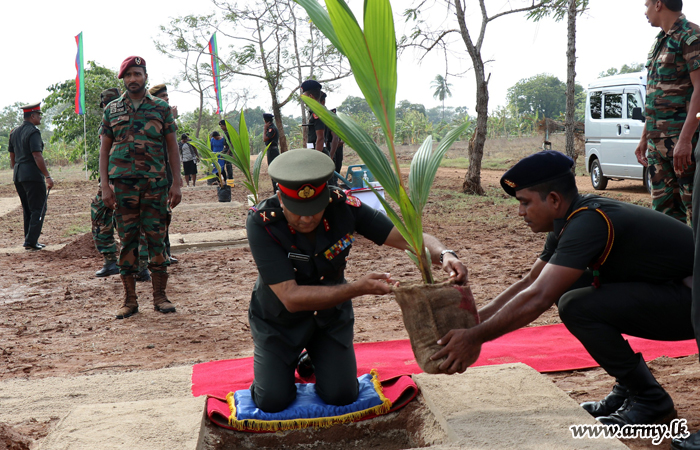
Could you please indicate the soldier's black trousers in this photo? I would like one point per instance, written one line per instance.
(695, 313)
(335, 368)
(272, 153)
(32, 195)
(599, 317)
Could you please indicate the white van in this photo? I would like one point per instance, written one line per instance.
(614, 125)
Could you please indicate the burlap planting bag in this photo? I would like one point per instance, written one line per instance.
(429, 312)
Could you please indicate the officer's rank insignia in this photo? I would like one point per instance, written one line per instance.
(691, 39)
(306, 191)
(338, 194)
(510, 183)
(335, 249)
(326, 225)
(291, 230)
(353, 201)
(264, 217)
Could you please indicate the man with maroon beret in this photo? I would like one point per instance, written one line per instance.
(136, 128)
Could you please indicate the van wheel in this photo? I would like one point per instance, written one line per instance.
(647, 179)
(598, 181)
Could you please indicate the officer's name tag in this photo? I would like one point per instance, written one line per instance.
(298, 257)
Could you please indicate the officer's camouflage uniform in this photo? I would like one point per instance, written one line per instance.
(137, 172)
(669, 88)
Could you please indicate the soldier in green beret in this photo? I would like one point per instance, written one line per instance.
(30, 174)
(300, 240)
(135, 129)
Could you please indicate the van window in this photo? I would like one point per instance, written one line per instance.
(596, 100)
(633, 101)
(613, 106)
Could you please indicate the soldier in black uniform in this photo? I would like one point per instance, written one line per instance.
(30, 175)
(300, 240)
(317, 129)
(227, 150)
(611, 268)
(271, 136)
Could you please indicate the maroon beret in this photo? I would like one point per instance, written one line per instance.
(131, 61)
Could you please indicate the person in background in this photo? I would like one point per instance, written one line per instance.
(190, 159)
(217, 146)
(227, 149)
(271, 137)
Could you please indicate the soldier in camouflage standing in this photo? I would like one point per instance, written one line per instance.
(161, 91)
(673, 100)
(103, 223)
(134, 182)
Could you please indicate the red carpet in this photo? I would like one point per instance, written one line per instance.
(548, 348)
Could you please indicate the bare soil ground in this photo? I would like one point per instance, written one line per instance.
(57, 319)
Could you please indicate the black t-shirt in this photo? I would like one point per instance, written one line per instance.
(272, 134)
(315, 124)
(25, 140)
(649, 246)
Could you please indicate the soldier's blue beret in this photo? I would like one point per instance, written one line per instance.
(539, 168)
(310, 85)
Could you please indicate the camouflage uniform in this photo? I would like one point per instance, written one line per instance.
(669, 88)
(137, 171)
(103, 232)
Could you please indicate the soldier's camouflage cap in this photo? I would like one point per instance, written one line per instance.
(157, 89)
(535, 169)
(34, 107)
(108, 95)
(131, 61)
(302, 177)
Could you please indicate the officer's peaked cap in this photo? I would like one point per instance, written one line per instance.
(302, 177)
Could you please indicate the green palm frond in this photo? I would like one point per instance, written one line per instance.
(372, 57)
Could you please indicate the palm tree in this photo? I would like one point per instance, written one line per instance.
(442, 90)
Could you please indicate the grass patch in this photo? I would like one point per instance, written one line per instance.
(75, 229)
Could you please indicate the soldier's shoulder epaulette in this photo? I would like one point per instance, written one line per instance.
(266, 213)
(691, 39)
(339, 196)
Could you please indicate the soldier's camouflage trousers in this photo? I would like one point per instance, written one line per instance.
(671, 193)
(141, 205)
(103, 232)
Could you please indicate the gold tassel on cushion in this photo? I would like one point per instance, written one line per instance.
(320, 422)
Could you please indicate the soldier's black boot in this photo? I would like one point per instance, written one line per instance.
(305, 368)
(109, 268)
(648, 403)
(611, 403)
(160, 300)
(143, 275)
(692, 442)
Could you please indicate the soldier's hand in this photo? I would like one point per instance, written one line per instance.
(173, 109)
(641, 153)
(49, 183)
(174, 195)
(682, 156)
(374, 284)
(453, 266)
(462, 349)
(108, 197)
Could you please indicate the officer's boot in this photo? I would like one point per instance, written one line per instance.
(160, 300)
(130, 306)
(648, 402)
(109, 268)
(692, 442)
(609, 404)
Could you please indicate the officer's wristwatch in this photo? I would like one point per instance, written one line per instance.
(442, 254)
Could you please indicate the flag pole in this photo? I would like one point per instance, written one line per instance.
(85, 144)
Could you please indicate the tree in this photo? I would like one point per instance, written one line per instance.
(632, 68)
(10, 117)
(405, 106)
(185, 40)
(274, 42)
(543, 94)
(428, 40)
(442, 90)
(67, 125)
(558, 9)
(354, 105)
